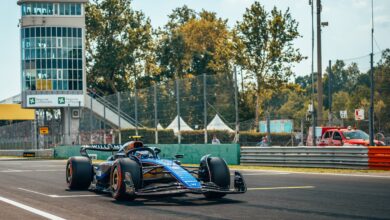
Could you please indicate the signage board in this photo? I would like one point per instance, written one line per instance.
(278, 126)
(28, 154)
(54, 100)
(343, 114)
(15, 112)
(44, 130)
(359, 114)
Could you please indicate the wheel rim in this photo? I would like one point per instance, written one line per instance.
(69, 173)
(115, 179)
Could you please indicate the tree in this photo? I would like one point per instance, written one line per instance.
(382, 95)
(268, 52)
(344, 78)
(195, 44)
(118, 39)
(171, 54)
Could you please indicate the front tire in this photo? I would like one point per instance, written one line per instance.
(118, 187)
(220, 175)
(78, 173)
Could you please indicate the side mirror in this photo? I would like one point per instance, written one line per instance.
(179, 156)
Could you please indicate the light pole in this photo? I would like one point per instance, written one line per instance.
(319, 63)
(313, 109)
(371, 116)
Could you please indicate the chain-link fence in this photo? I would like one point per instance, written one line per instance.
(170, 112)
(154, 112)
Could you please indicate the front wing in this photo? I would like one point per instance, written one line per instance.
(179, 188)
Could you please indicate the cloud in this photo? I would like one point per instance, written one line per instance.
(382, 21)
(360, 3)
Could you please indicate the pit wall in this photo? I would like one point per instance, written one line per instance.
(192, 152)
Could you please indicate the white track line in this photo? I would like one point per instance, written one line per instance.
(31, 209)
(282, 187)
(56, 196)
(345, 174)
(263, 174)
(314, 173)
(21, 171)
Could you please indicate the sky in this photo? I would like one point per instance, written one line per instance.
(348, 36)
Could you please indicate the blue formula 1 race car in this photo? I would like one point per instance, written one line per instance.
(136, 170)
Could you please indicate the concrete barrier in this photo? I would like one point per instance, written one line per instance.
(192, 152)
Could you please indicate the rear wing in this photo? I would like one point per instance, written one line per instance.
(99, 147)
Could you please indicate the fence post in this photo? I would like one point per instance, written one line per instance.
(91, 121)
(314, 138)
(178, 111)
(136, 108)
(119, 117)
(69, 122)
(44, 124)
(155, 114)
(302, 141)
(268, 129)
(34, 132)
(205, 106)
(104, 124)
(330, 93)
(78, 128)
(237, 130)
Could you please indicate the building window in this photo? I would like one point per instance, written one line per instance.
(50, 9)
(52, 58)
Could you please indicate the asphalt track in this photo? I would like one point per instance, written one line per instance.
(37, 190)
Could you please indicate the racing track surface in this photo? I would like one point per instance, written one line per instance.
(37, 190)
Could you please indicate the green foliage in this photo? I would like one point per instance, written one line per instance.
(252, 138)
(194, 44)
(382, 96)
(268, 50)
(197, 137)
(118, 37)
(123, 50)
(267, 53)
(148, 135)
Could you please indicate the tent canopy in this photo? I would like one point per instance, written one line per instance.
(183, 125)
(160, 127)
(218, 124)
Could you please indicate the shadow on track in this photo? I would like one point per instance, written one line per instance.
(183, 200)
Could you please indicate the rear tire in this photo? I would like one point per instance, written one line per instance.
(220, 175)
(117, 184)
(79, 173)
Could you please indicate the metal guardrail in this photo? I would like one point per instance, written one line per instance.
(322, 157)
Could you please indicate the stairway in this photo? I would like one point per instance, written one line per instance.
(99, 105)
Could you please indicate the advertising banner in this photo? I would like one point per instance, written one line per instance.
(278, 126)
(54, 100)
(359, 114)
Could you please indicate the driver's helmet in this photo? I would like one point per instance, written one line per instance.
(131, 145)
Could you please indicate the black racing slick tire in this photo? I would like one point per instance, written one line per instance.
(79, 173)
(220, 175)
(117, 184)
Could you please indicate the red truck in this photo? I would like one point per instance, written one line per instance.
(347, 137)
(319, 133)
(332, 136)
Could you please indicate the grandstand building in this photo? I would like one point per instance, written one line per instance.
(52, 36)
